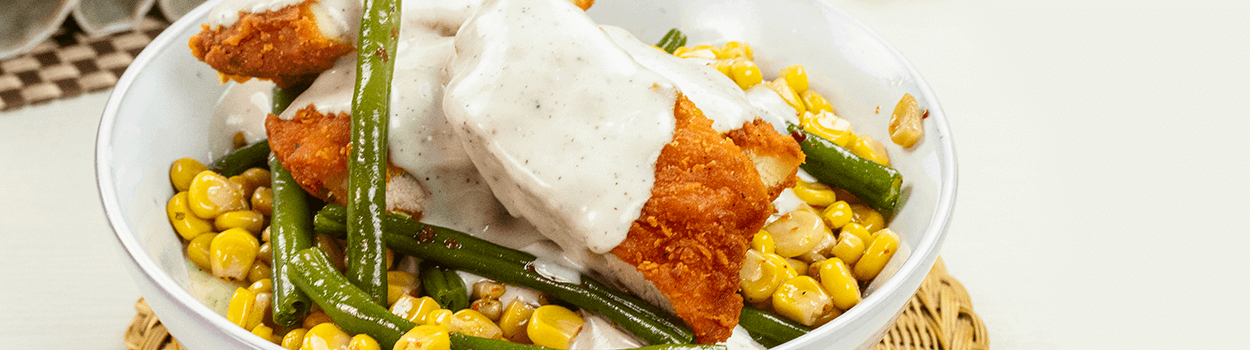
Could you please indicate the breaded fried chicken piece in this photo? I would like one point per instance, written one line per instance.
(314, 148)
(692, 234)
(776, 157)
(284, 46)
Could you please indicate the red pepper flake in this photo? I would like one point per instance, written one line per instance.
(798, 136)
(878, 109)
(925, 115)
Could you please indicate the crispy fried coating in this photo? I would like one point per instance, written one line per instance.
(583, 4)
(776, 157)
(692, 234)
(284, 46)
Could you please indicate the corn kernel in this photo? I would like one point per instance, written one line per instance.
(843, 289)
(363, 342)
(326, 336)
(871, 219)
(211, 194)
(830, 127)
(259, 271)
(906, 125)
(814, 193)
(198, 251)
(185, 223)
(702, 51)
(258, 177)
(763, 242)
(797, 267)
(232, 254)
(265, 253)
(315, 318)
(837, 214)
(681, 50)
(333, 250)
(262, 200)
(473, 323)
(488, 289)
(802, 299)
(440, 317)
(734, 49)
(492, 308)
(242, 306)
(761, 274)
(724, 66)
(796, 232)
(182, 171)
(266, 333)
(858, 230)
(252, 221)
(866, 147)
(515, 317)
(849, 248)
(877, 255)
(414, 309)
(715, 50)
(262, 286)
(554, 326)
(815, 103)
(796, 77)
(399, 284)
(745, 73)
(263, 309)
(293, 339)
(425, 337)
(792, 98)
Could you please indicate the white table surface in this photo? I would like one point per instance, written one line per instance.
(1099, 178)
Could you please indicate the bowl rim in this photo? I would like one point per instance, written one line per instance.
(925, 252)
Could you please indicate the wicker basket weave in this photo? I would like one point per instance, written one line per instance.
(939, 316)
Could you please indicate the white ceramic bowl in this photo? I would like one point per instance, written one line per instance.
(158, 113)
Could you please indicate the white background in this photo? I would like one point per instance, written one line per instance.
(1101, 198)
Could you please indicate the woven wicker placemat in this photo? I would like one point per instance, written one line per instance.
(939, 316)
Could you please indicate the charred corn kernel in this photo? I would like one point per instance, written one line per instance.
(242, 306)
(266, 333)
(315, 318)
(258, 272)
(869, 148)
(761, 274)
(293, 339)
(798, 267)
(440, 317)
(554, 326)
(796, 232)
(258, 177)
(399, 284)
(261, 310)
(182, 171)
(488, 289)
(829, 126)
(877, 255)
(262, 200)
(801, 299)
(792, 98)
(492, 308)
(414, 309)
(815, 103)
(796, 77)
(326, 336)
(906, 124)
(814, 193)
(265, 253)
(252, 221)
(734, 49)
(471, 322)
(745, 73)
(849, 248)
(763, 242)
(185, 223)
(868, 217)
(838, 214)
(857, 230)
(514, 319)
(425, 337)
(841, 285)
(211, 194)
(198, 251)
(363, 342)
(334, 251)
(262, 286)
(232, 254)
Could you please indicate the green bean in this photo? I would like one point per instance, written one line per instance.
(684, 347)
(768, 329)
(445, 286)
(465, 342)
(877, 185)
(349, 307)
(366, 186)
(246, 157)
(289, 232)
(282, 97)
(329, 219)
(672, 40)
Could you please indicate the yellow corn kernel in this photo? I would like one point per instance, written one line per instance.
(763, 242)
(326, 336)
(745, 73)
(293, 339)
(262, 286)
(252, 221)
(262, 309)
(761, 274)
(724, 66)
(798, 267)
(857, 230)
(264, 234)
(796, 78)
(211, 194)
(363, 342)
(829, 316)
(262, 200)
(820, 251)
(842, 287)
(868, 217)
(246, 183)
(487, 289)
(185, 223)
(198, 251)
(734, 49)
(182, 171)
(814, 193)
(258, 177)
(829, 126)
(440, 317)
(266, 333)
(492, 308)
(849, 248)
(265, 253)
(796, 232)
(399, 284)
(425, 337)
(801, 299)
(315, 318)
(514, 319)
(414, 309)
(259, 271)
(554, 326)
(681, 50)
(232, 254)
(838, 214)
(715, 50)
(471, 322)
(906, 124)
(792, 98)
(866, 147)
(701, 51)
(877, 255)
(815, 103)
(242, 306)
(334, 251)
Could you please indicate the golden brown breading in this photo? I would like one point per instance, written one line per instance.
(583, 4)
(692, 234)
(777, 157)
(284, 46)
